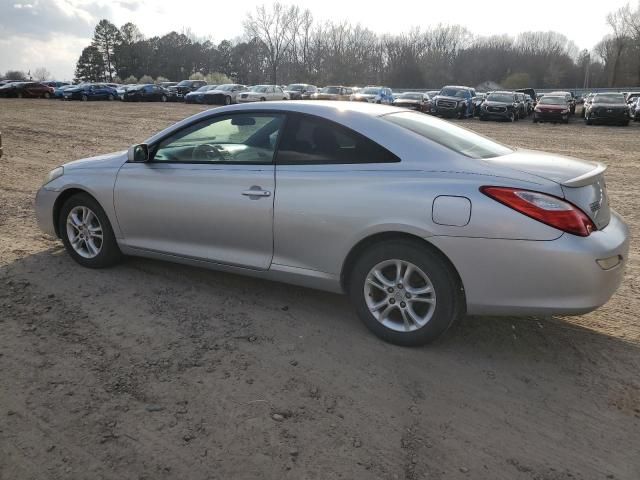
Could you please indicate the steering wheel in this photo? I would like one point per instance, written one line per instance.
(206, 151)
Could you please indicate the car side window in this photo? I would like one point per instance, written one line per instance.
(311, 140)
(237, 138)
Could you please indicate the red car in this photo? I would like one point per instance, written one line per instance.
(26, 90)
(551, 108)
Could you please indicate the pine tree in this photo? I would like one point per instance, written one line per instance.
(90, 66)
(105, 38)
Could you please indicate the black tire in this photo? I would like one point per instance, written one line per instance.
(263, 99)
(588, 121)
(19, 95)
(47, 95)
(85, 98)
(227, 100)
(163, 98)
(535, 119)
(448, 293)
(109, 253)
(512, 117)
(111, 98)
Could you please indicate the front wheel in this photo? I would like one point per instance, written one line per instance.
(405, 293)
(163, 99)
(512, 117)
(227, 100)
(85, 98)
(111, 98)
(47, 95)
(86, 232)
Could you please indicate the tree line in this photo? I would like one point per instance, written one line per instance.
(283, 44)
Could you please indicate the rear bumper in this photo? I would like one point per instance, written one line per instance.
(520, 277)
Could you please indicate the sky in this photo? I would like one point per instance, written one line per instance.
(52, 33)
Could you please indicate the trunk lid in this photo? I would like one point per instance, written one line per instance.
(582, 182)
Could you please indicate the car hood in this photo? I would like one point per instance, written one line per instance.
(406, 100)
(609, 105)
(108, 160)
(490, 103)
(543, 106)
(446, 97)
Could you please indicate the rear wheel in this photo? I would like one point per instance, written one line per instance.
(85, 98)
(227, 100)
(47, 95)
(163, 99)
(111, 98)
(86, 232)
(405, 293)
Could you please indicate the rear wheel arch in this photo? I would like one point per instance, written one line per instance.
(367, 242)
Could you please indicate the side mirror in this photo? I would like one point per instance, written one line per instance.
(138, 153)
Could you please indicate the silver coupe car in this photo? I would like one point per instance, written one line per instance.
(417, 220)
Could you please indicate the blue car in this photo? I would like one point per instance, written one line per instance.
(198, 96)
(59, 91)
(90, 91)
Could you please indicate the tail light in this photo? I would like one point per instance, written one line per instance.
(550, 210)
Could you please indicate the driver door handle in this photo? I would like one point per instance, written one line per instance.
(256, 192)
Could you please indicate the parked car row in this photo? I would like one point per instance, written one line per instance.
(450, 101)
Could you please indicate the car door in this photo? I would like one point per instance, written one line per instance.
(207, 192)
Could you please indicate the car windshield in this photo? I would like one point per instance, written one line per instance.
(411, 96)
(447, 134)
(185, 83)
(259, 88)
(547, 100)
(226, 87)
(295, 87)
(330, 90)
(609, 98)
(370, 91)
(453, 92)
(203, 88)
(500, 97)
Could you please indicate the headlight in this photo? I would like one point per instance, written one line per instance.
(53, 174)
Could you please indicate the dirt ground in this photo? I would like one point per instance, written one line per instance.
(156, 371)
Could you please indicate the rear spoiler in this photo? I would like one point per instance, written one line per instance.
(585, 178)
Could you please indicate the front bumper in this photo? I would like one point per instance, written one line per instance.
(247, 99)
(520, 277)
(550, 116)
(45, 200)
(604, 118)
(490, 115)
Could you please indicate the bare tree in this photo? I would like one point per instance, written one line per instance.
(41, 74)
(277, 28)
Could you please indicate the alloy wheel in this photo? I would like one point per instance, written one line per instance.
(84, 232)
(399, 295)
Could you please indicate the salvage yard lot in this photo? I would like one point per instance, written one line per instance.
(157, 371)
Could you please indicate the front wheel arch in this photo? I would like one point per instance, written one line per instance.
(368, 242)
(63, 197)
